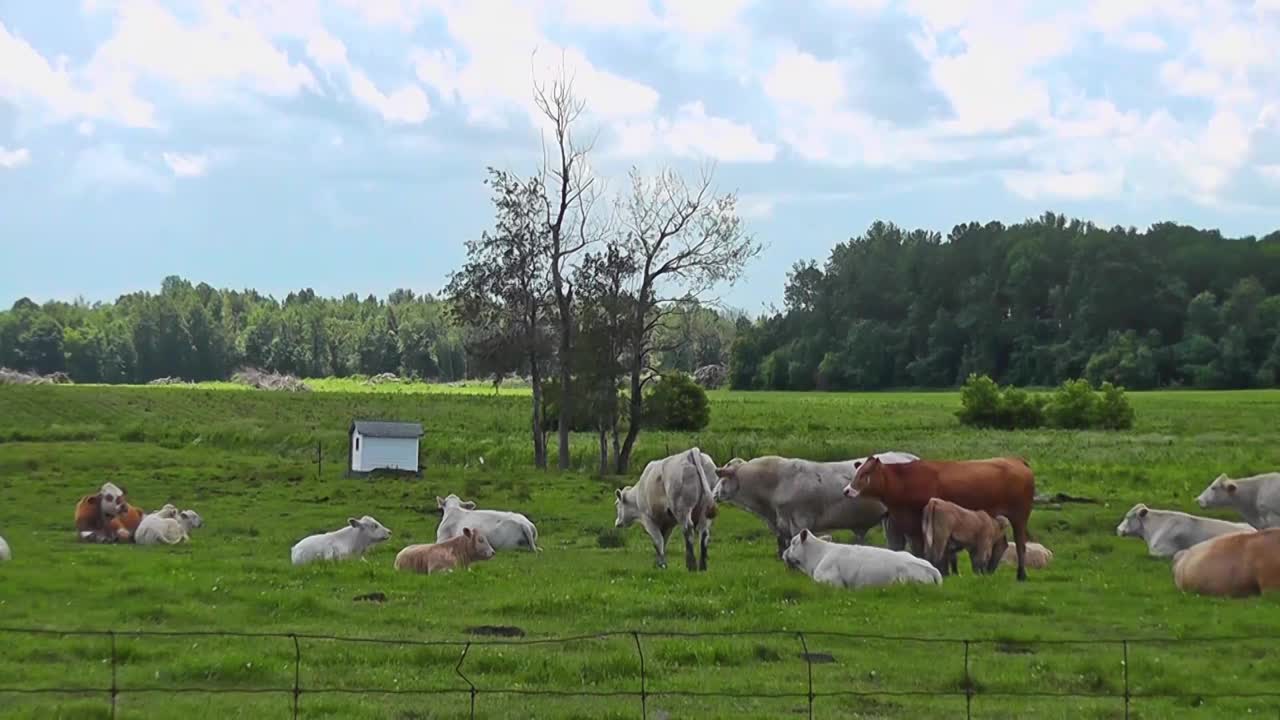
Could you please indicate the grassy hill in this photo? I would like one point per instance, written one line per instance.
(246, 461)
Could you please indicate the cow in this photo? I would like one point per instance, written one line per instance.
(855, 566)
(1038, 557)
(1256, 498)
(5, 554)
(354, 539)
(671, 492)
(167, 525)
(792, 494)
(107, 516)
(947, 528)
(457, 552)
(1233, 565)
(504, 530)
(999, 486)
(1168, 531)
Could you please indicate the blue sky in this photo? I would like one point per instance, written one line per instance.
(341, 144)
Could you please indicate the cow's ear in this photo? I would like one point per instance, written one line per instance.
(617, 493)
(857, 464)
(439, 503)
(94, 499)
(353, 522)
(466, 532)
(1002, 522)
(1142, 512)
(467, 505)
(1231, 488)
(804, 536)
(824, 538)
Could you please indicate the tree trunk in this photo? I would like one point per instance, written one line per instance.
(633, 426)
(604, 450)
(539, 437)
(564, 303)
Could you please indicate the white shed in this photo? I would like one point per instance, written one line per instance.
(381, 445)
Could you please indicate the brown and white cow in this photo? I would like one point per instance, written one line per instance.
(107, 516)
(949, 528)
(1234, 565)
(457, 552)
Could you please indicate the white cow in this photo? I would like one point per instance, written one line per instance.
(354, 539)
(1168, 531)
(856, 566)
(791, 494)
(1256, 498)
(167, 526)
(4, 551)
(504, 530)
(672, 491)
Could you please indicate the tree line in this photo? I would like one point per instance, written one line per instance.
(1030, 304)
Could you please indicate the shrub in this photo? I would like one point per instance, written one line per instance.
(676, 402)
(1073, 406)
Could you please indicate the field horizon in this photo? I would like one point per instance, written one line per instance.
(246, 460)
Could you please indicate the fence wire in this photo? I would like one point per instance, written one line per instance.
(969, 690)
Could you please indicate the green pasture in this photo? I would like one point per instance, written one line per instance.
(247, 461)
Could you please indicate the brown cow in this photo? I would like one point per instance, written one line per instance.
(459, 551)
(107, 516)
(998, 486)
(949, 528)
(1234, 565)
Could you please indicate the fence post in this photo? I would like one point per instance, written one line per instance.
(968, 684)
(458, 670)
(808, 661)
(1125, 646)
(114, 688)
(297, 673)
(644, 685)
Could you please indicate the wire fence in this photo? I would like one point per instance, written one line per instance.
(809, 696)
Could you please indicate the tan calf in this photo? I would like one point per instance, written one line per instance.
(1038, 557)
(1235, 565)
(457, 552)
(948, 528)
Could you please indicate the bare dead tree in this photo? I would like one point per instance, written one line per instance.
(684, 239)
(569, 200)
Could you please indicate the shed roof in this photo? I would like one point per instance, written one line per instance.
(386, 429)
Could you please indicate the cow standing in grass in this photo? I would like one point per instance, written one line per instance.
(998, 486)
(672, 492)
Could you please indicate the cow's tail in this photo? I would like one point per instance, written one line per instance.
(927, 522)
(706, 499)
(531, 537)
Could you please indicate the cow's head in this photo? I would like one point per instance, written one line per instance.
(999, 545)
(111, 500)
(443, 504)
(865, 478)
(628, 510)
(1219, 493)
(727, 485)
(1132, 524)
(480, 544)
(192, 519)
(802, 544)
(370, 528)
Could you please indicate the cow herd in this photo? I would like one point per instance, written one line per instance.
(929, 511)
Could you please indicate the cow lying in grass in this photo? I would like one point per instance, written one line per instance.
(167, 525)
(1236, 565)
(354, 539)
(1168, 531)
(4, 551)
(1038, 557)
(107, 516)
(504, 530)
(856, 566)
(457, 552)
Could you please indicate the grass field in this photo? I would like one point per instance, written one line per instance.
(246, 460)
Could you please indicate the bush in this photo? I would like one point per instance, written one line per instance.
(1074, 406)
(676, 402)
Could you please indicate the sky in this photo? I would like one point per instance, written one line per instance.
(341, 145)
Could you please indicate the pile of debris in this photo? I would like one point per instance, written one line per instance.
(711, 376)
(380, 378)
(263, 380)
(170, 381)
(16, 377)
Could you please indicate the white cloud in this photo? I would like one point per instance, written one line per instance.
(1069, 185)
(186, 165)
(406, 105)
(107, 167)
(1142, 41)
(800, 78)
(693, 133)
(14, 159)
(756, 207)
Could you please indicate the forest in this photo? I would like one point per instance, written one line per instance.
(1029, 304)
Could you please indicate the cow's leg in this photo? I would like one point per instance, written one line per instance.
(893, 535)
(690, 560)
(706, 540)
(659, 538)
(1020, 541)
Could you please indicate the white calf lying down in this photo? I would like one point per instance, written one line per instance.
(167, 525)
(504, 530)
(1168, 531)
(4, 551)
(354, 539)
(856, 566)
